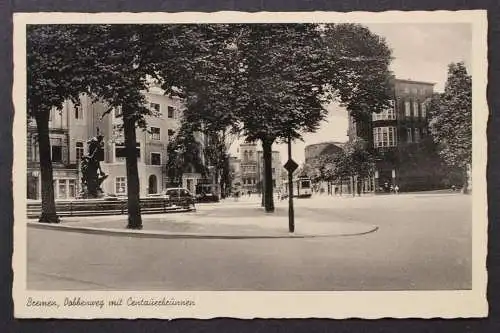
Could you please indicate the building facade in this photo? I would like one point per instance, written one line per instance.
(249, 167)
(397, 132)
(235, 172)
(276, 169)
(71, 127)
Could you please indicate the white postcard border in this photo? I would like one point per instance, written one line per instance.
(251, 304)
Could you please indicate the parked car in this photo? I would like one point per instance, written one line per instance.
(206, 193)
(179, 196)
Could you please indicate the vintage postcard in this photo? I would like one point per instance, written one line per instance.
(250, 165)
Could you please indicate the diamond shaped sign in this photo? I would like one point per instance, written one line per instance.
(291, 166)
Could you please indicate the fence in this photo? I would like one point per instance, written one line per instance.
(98, 207)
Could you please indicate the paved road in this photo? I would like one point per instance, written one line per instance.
(423, 243)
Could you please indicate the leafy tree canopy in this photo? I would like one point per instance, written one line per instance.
(451, 117)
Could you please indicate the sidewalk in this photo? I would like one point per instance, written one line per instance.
(229, 219)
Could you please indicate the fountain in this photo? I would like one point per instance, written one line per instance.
(90, 167)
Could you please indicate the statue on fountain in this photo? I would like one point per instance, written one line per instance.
(90, 167)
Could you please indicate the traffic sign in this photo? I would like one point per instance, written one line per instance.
(291, 166)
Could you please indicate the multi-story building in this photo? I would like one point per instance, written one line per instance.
(276, 168)
(63, 125)
(401, 127)
(235, 172)
(71, 127)
(249, 167)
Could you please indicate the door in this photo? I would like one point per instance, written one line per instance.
(152, 185)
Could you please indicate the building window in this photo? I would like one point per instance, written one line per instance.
(78, 112)
(424, 132)
(66, 188)
(71, 188)
(407, 90)
(415, 108)
(170, 134)
(79, 151)
(414, 91)
(408, 135)
(417, 134)
(61, 192)
(120, 185)
(407, 109)
(423, 110)
(155, 107)
(384, 137)
(56, 154)
(120, 152)
(155, 159)
(155, 133)
(387, 114)
(170, 112)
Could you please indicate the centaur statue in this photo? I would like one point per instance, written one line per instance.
(90, 167)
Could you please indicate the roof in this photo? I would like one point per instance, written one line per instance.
(414, 82)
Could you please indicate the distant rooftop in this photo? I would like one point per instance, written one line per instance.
(337, 143)
(414, 81)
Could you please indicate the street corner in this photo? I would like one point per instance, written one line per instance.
(334, 229)
(212, 227)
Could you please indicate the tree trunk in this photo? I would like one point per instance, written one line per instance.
(226, 177)
(133, 199)
(268, 175)
(340, 190)
(262, 191)
(49, 214)
(359, 184)
(353, 189)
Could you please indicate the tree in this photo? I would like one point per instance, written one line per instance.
(359, 163)
(217, 155)
(127, 60)
(451, 120)
(359, 69)
(122, 57)
(54, 74)
(184, 153)
(271, 81)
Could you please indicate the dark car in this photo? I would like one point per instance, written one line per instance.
(179, 196)
(206, 193)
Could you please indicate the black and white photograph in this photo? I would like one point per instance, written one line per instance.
(250, 165)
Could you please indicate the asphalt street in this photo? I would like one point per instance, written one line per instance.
(423, 243)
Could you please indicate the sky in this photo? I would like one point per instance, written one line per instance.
(421, 52)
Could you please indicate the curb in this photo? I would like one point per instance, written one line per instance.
(171, 235)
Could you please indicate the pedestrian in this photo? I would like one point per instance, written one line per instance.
(249, 193)
(396, 189)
